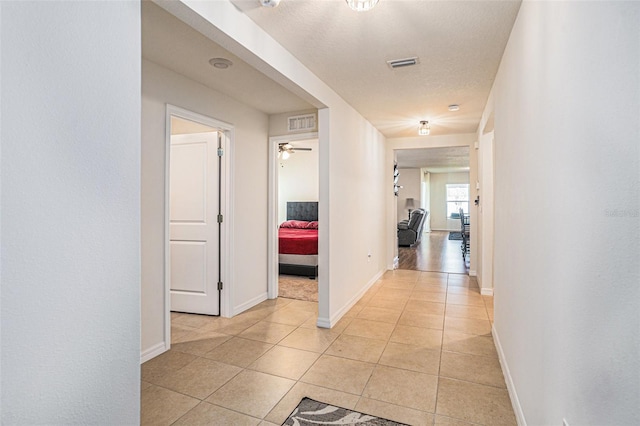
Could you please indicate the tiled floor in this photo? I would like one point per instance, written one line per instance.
(416, 349)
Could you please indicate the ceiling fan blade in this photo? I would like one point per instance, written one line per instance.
(303, 149)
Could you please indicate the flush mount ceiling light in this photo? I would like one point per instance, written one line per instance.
(362, 5)
(270, 3)
(454, 107)
(220, 63)
(424, 128)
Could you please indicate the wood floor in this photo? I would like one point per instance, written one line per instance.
(434, 253)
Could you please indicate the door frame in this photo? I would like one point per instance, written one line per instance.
(272, 217)
(486, 175)
(226, 208)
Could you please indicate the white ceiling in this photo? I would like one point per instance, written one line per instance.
(171, 43)
(435, 160)
(459, 45)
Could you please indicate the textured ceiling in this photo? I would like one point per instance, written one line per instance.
(169, 42)
(436, 160)
(459, 45)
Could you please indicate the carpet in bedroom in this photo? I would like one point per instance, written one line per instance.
(300, 288)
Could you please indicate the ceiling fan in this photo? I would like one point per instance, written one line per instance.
(285, 149)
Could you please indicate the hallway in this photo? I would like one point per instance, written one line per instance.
(434, 253)
(417, 348)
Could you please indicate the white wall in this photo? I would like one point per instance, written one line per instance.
(410, 181)
(352, 158)
(438, 208)
(249, 186)
(358, 184)
(70, 212)
(425, 202)
(567, 199)
(278, 122)
(298, 177)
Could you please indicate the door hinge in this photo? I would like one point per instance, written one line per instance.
(219, 285)
(220, 152)
(220, 218)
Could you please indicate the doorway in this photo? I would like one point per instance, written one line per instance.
(434, 187)
(197, 214)
(293, 178)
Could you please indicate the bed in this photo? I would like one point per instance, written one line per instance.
(298, 240)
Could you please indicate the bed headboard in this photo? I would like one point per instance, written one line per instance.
(302, 210)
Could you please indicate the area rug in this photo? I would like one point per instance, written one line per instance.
(455, 236)
(300, 288)
(310, 412)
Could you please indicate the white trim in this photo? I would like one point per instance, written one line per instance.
(272, 221)
(167, 233)
(249, 304)
(154, 351)
(328, 323)
(226, 209)
(511, 387)
(473, 273)
(323, 323)
(486, 291)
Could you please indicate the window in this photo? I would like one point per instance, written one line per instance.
(457, 198)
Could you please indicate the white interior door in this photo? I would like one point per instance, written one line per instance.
(193, 226)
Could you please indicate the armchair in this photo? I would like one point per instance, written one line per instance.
(410, 231)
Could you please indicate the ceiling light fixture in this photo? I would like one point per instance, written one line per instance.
(362, 5)
(270, 3)
(454, 107)
(285, 149)
(220, 63)
(424, 128)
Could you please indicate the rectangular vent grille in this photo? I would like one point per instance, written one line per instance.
(399, 63)
(299, 123)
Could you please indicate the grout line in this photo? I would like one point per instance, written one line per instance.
(368, 295)
(444, 319)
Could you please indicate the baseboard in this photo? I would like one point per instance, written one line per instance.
(250, 304)
(330, 322)
(515, 402)
(473, 273)
(323, 322)
(486, 291)
(153, 352)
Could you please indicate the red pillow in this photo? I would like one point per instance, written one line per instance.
(312, 225)
(298, 224)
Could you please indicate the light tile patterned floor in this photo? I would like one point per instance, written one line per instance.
(417, 348)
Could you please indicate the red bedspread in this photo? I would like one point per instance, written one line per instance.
(298, 241)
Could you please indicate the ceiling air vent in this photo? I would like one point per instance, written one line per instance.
(400, 63)
(299, 123)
